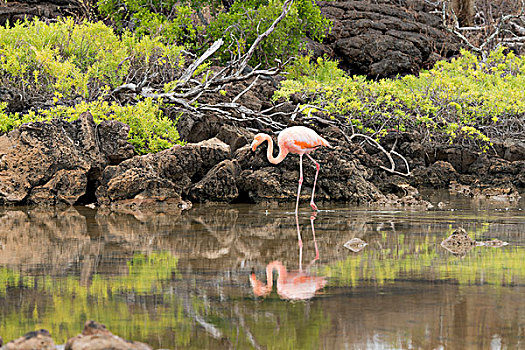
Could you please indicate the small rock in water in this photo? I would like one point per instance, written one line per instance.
(495, 243)
(36, 340)
(96, 336)
(459, 242)
(355, 244)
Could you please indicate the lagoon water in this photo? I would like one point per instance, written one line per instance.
(183, 281)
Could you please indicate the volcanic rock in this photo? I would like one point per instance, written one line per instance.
(96, 336)
(54, 162)
(36, 340)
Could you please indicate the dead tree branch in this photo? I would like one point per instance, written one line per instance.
(388, 154)
(500, 30)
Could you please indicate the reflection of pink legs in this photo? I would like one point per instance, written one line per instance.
(298, 231)
(300, 183)
(317, 167)
(312, 218)
(300, 242)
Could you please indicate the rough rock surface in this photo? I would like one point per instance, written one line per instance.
(13, 11)
(55, 162)
(497, 174)
(383, 38)
(78, 162)
(36, 340)
(342, 177)
(167, 174)
(96, 336)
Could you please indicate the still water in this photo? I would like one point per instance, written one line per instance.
(199, 280)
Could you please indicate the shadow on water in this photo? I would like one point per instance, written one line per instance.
(189, 281)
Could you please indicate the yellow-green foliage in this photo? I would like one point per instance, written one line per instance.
(463, 97)
(150, 131)
(494, 266)
(148, 304)
(66, 63)
(65, 60)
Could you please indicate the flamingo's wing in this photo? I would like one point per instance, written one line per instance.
(301, 140)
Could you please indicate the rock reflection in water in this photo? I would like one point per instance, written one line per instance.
(355, 244)
(182, 281)
(460, 243)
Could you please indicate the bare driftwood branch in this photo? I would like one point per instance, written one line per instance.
(496, 30)
(191, 69)
(244, 62)
(388, 154)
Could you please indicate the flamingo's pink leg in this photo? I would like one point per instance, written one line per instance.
(317, 167)
(299, 188)
(312, 218)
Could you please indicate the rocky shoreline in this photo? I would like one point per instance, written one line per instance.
(81, 163)
(94, 336)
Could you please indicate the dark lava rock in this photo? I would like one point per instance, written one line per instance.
(219, 184)
(168, 174)
(36, 340)
(55, 162)
(14, 11)
(96, 336)
(384, 38)
(342, 177)
(459, 242)
(438, 175)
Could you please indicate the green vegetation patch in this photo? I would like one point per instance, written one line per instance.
(464, 99)
(239, 26)
(150, 131)
(64, 60)
(73, 68)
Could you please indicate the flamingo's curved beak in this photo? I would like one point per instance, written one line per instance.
(254, 145)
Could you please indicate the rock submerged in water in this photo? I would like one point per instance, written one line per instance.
(460, 243)
(96, 336)
(35, 340)
(355, 244)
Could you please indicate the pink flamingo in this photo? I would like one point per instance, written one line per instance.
(298, 140)
(293, 285)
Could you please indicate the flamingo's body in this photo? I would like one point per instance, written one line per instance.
(293, 285)
(298, 140)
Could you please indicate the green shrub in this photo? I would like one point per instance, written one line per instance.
(239, 26)
(64, 60)
(150, 130)
(166, 19)
(459, 100)
(245, 20)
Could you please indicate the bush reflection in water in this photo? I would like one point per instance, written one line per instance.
(185, 281)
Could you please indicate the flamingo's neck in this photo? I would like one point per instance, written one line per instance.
(269, 153)
(280, 269)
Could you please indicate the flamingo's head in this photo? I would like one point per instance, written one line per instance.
(257, 140)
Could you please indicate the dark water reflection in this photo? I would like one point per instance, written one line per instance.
(188, 281)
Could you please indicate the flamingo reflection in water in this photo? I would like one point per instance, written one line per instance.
(291, 285)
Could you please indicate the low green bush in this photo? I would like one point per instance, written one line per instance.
(63, 60)
(239, 25)
(246, 20)
(74, 68)
(166, 19)
(464, 99)
(150, 130)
